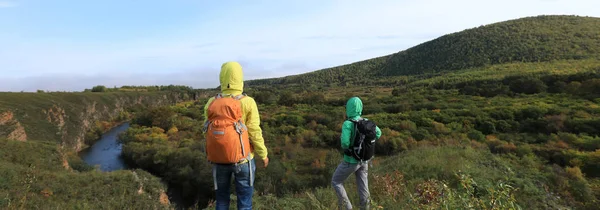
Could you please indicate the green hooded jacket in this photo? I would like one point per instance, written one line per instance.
(354, 108)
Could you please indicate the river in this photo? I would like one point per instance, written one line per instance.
(106, 152)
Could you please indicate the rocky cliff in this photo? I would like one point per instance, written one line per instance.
(11, 128)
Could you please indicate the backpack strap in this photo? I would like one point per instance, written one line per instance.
(356, 120)
(205, 126)
(354, 130)
(221, 95)
(239, 97)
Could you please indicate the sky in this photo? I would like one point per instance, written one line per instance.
(68, 45)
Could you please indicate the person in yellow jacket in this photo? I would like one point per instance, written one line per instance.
(232, 83)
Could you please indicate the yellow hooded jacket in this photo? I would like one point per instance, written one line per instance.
(232, 82)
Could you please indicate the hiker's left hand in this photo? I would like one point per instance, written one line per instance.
(266, 161)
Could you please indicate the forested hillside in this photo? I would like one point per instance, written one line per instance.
(530, 39)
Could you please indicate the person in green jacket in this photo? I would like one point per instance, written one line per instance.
(350, 165)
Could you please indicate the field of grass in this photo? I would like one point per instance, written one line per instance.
(446, 177)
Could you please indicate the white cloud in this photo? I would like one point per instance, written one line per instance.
(7, 4)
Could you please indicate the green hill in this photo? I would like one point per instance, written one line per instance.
(530, 39)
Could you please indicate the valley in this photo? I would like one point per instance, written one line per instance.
(495, 117)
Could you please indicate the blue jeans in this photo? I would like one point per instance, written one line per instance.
(244, 185)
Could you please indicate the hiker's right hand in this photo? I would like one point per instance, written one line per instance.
(266, 161)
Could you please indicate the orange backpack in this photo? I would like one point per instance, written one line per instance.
(227, 139)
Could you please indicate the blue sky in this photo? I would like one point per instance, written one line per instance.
(72, 45)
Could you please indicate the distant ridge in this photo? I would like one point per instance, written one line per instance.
(530, 39)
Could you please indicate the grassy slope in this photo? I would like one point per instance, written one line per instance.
(531, 39)
(32, 177)
(395, 181)
(501, 71)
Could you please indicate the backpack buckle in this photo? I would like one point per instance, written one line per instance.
(238, 127)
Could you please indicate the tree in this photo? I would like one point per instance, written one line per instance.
(287, 98)
(399, 91)
(99, 88)
(527, 85)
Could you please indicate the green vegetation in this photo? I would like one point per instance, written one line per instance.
(504, 116)
(44, 171)
(66, 117)
(32, 177)
(530, 39)
(99, 88)
(127, 88)
(533, 143)
(471, 177)
(345, 75)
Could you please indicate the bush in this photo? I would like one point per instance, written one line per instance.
(99, 88)
(421, 134)
(527, 85)
(287, 98)
(487, 127)
(407, 125)
(476, 135)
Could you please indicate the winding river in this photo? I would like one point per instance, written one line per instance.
(106, 152)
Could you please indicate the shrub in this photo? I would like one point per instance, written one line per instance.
(99, 88)
(527, 85)
(476, 135)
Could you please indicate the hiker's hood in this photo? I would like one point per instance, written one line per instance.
(354, 107)
(232, 78)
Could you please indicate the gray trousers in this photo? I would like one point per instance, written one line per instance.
(342, 172)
